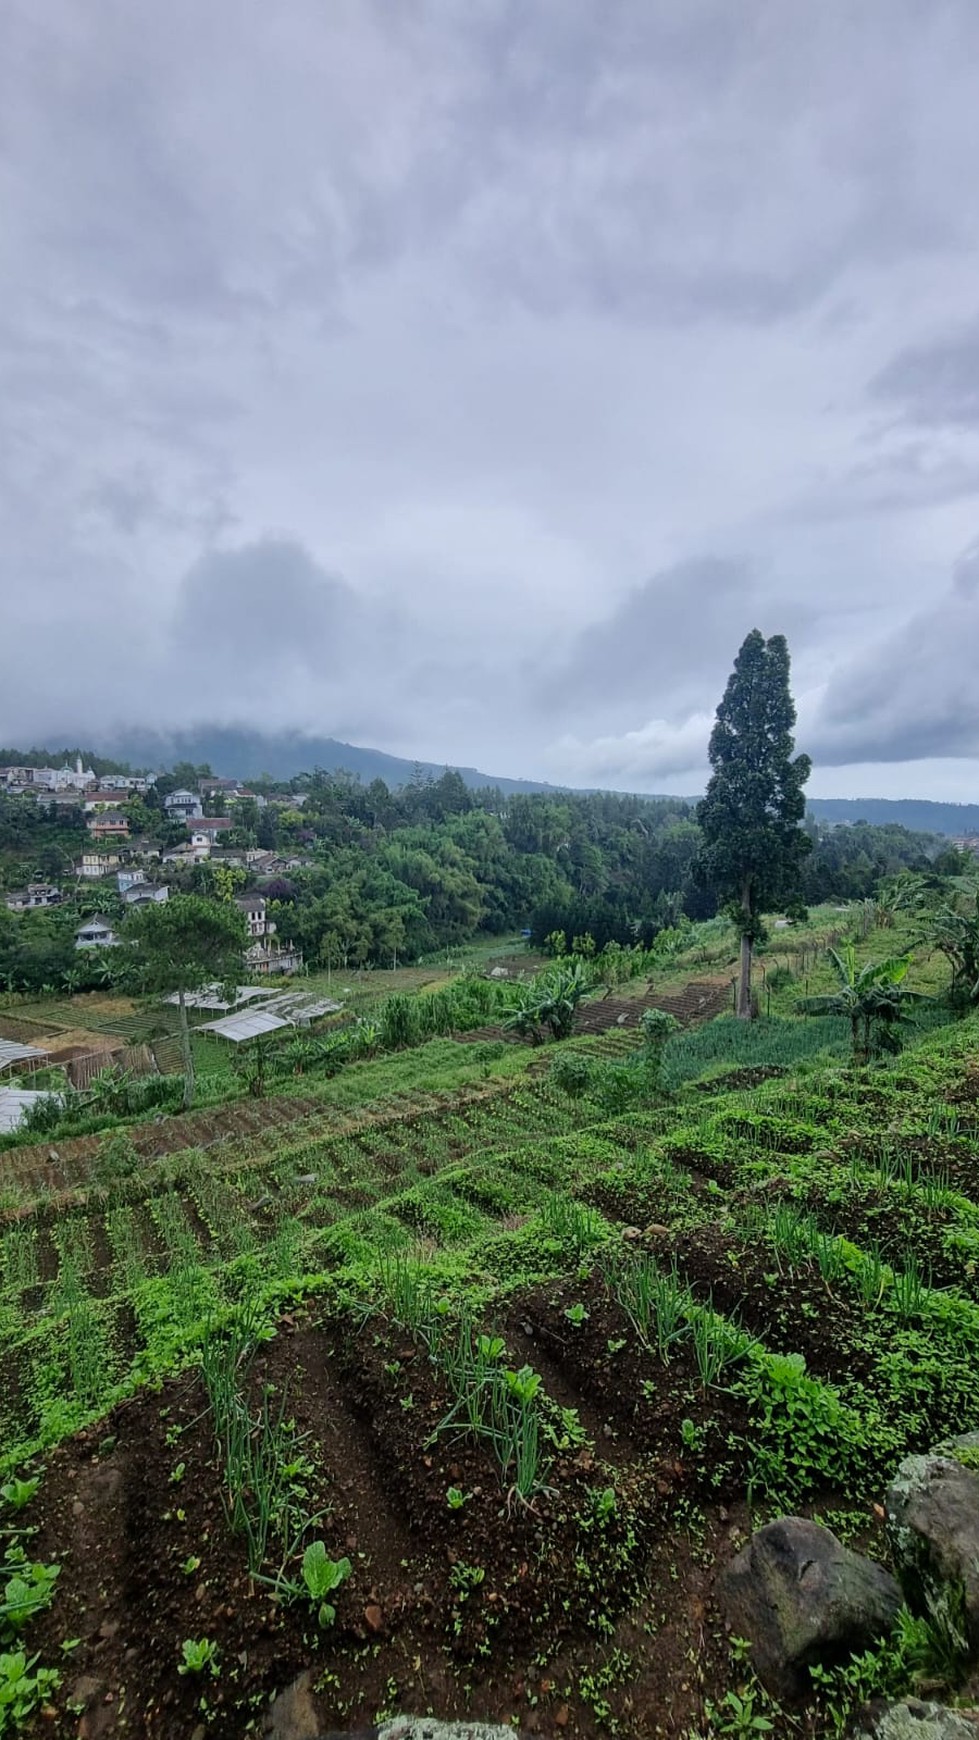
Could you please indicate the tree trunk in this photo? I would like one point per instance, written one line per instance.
(744, 982)
(855, 1037)
(186, 1053)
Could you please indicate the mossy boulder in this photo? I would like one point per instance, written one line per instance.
(932, 1508)
(912, 1720)
(801, 1598)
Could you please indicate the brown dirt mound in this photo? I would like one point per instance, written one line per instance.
(492, 1606)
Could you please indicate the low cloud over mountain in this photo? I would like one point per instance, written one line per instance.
(470, 381)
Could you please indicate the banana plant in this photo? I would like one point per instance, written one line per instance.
(549, 1002)
(953, 929)
(872, 997)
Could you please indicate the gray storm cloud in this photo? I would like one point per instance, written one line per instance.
(469, 380)
(936, 383)
(913, 695)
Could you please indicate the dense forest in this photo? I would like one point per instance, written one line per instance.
(371, 875)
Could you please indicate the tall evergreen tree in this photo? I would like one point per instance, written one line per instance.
(752, 813)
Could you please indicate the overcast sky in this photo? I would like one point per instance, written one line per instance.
(467, 377)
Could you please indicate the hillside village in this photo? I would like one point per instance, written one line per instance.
(138, 830)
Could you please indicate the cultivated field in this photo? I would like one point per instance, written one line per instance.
(529, 1364)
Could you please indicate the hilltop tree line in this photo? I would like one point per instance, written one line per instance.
(390, 875)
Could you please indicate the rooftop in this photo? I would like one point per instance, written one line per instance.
(249, 1024)
(11, 1052)
(14, 1103)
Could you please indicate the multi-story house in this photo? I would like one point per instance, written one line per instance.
(265, 954)
(182, 806)
(34, 895)
(254, 910)
(95, 864)
(108, 825)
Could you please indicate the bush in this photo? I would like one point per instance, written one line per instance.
(44, 1115)
(116, 1158)
(656, 1027)
(778, 978)
(617, 1087)
(572, 1074)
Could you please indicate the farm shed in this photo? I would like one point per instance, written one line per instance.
(13, 1055)
(14, 1102)
(250, 1024)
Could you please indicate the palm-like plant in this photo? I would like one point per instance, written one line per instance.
(953, 929)
(549, 1002)
(872, 997)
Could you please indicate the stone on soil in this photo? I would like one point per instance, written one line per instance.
(913, 1720)
(932, 1507)
(297, 1714)
(801, 1597)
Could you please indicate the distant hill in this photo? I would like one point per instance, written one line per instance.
(238, 753)
(918, 814)
(241, 754)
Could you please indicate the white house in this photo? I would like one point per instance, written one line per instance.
(263, 955)
(181, 806)
(95, 864)
(96, 933)
(34, 895)
(106, 798)
(207, 830)
(126, 781)
(189, 854)
(254, 910)
(144, 894)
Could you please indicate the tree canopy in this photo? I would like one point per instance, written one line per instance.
(751, 816)
(179, 946)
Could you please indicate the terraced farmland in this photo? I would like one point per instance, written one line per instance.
(535, 1372)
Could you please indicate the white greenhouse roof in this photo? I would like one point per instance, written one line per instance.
(212, 998)
(250, 1024)
(14, 1102)
(303, 1005)
(11, 1053)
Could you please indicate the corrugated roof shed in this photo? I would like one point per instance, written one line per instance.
(11, 1053)
(14, 1102)
(250, 1024)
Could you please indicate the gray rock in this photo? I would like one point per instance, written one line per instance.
(426, 1728)
(801, 1597)
(85, 1690)
(297, 1714)
(932, 1507)
(912, 1720)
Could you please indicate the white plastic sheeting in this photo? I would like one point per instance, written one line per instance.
(250, 1024)
(14, 1102)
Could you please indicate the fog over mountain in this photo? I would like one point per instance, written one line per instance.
(469, 380)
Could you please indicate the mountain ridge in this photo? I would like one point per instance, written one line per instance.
(242, 753)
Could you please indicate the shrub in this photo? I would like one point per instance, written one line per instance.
(572, 1074)
(116, 1158)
